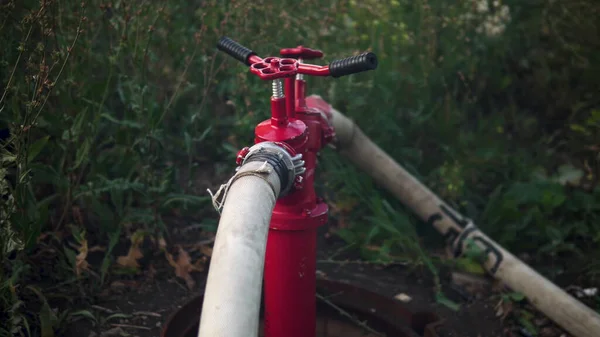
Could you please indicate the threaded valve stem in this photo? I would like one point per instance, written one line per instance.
(300, 77)
(277, 88)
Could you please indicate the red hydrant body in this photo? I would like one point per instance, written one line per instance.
(290, 261)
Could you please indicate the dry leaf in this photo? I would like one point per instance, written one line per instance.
(134, 254)
(117, 284)
(80, 260)
(402, 297)
(130, 260)
(97, 249)
(206, 250)
(503, 309)
(499, 309)
(183, 266)
(162, 244)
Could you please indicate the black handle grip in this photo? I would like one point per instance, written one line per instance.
(353, 64)
(235, 50)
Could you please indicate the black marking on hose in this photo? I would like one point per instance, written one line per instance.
(451, 234)
(461, 238)
(457, 239)
(277, 163)
(462, 223)
(433, 219)
(491, 249)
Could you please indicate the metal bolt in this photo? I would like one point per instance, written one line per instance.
(298, 182)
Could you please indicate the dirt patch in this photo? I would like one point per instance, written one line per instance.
(140, 306)
(475, 318)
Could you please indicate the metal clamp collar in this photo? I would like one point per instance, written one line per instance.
(287, 165)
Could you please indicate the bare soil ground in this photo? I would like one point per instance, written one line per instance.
(141, 305)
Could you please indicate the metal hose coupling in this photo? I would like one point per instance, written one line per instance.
(287, 164)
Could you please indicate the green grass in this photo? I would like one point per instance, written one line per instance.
(112, 107)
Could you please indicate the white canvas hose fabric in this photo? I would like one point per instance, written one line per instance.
(233, 290)
(572, 315)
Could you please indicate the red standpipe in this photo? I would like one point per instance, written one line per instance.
(290, 262)
(290, 256)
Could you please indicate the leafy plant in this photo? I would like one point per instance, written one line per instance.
(109, 110)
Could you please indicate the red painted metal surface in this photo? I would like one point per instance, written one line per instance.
(271, 68)
(301, 52)
(290, 262)
(290, 97)
(319, 103)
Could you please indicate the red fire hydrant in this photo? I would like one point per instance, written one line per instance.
(290, 262)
